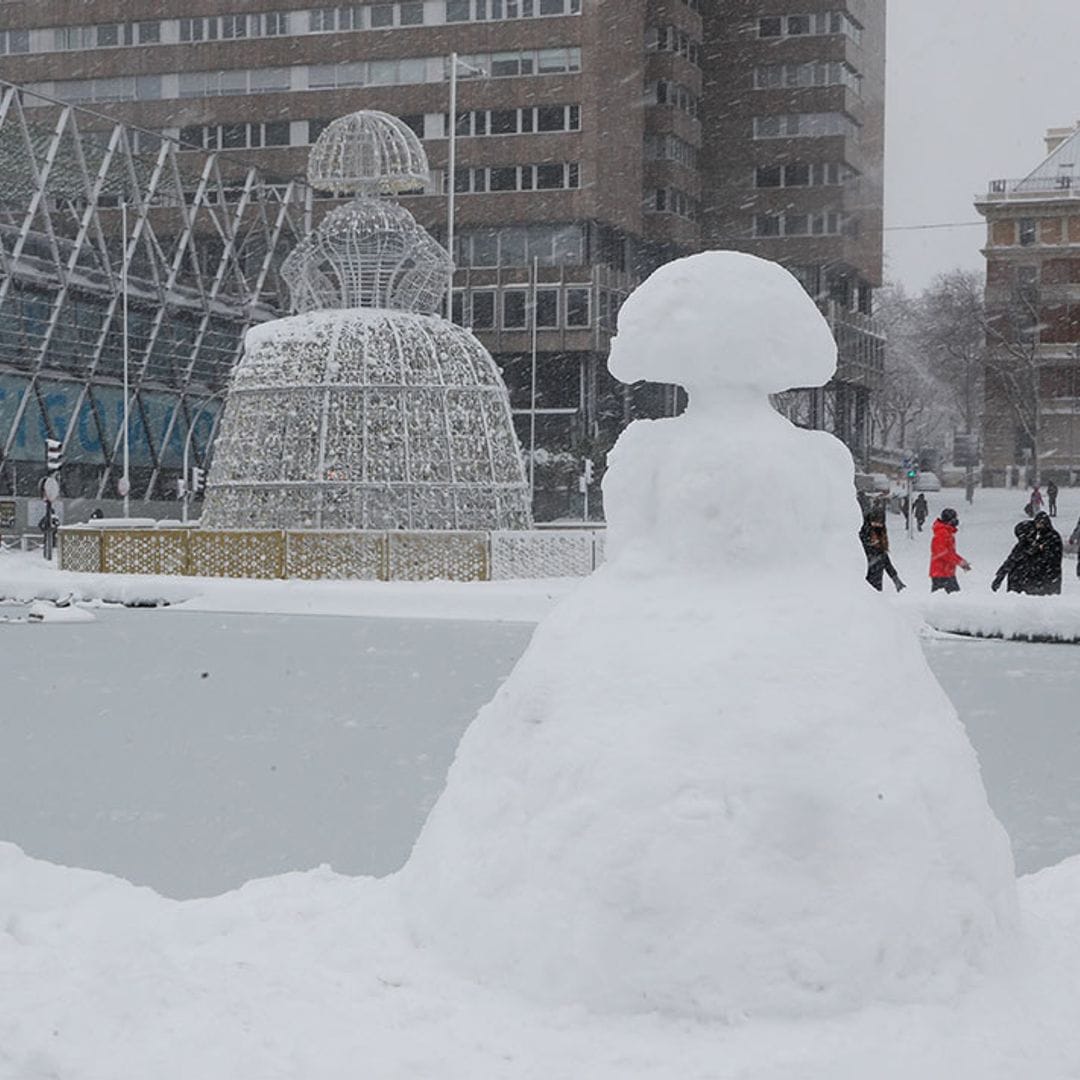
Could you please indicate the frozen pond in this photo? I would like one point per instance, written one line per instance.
(193, 751)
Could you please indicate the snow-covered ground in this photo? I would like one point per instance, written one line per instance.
(719, 821)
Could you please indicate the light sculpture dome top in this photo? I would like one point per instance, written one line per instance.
(367, 410)
(368, 153)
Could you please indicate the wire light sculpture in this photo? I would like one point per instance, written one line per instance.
(367, 410)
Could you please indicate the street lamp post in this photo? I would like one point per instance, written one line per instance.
(451, 170)
(125, 480)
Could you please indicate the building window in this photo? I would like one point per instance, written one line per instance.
(804, 126)
(815, 73)
(547, 309)
(514, 309)
(801, 25)
(483, 309)
(1027, 231)
(546, 177)
(674, 95)
(577, 307)
(544, 118)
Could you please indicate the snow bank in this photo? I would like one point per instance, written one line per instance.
(722, 779)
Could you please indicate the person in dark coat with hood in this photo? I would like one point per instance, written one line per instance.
(1044, 574)
(1017, 567)
(875, 542)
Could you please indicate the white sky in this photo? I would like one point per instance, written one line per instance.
(972, 86)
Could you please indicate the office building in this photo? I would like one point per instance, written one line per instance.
(580, 163)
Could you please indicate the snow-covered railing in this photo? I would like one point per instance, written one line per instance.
(111, 548)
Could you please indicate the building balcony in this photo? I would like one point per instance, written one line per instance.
(1038, 189)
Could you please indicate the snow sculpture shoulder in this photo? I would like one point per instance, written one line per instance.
(722, 780)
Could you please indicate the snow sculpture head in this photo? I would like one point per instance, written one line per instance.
(723, 321)
(680, 801)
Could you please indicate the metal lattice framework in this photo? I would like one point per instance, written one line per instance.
(367, 419)
(379, 414)
(368, 254)
(368, 153)
(203, 246)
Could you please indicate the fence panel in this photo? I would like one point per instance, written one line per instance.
(438, 555)
(539, 554)
(80, 550)
(335, 555)
(253, 554)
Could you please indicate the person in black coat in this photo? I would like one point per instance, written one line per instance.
(1017, 567)
(875, 542)
(1045, 563)
(920, 509)
(1051, 498)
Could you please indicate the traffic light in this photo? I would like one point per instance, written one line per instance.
(912, 472)
(588, 471)
(54, 455)
(198, 480)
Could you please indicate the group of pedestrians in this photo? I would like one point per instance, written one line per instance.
(1033, 566)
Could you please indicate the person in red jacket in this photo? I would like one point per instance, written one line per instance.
(943, 557)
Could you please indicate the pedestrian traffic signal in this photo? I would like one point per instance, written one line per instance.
(54, 455)
(912, 472)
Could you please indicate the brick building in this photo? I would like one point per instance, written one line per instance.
(579, 148)
(1032, 398)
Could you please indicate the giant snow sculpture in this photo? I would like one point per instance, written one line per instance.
(367, 410)
(722, 779)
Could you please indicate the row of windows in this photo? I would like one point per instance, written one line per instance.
(365, 17)
(823, 224)
(668, 200)
(237, 136)
(486, 10)
(803, 174)
(238, 26)
(804, 125)
(520, 245)
(816, 73)
(547, 177)
(542, 118)
(235, 27)
(675, 40)
(106, 35)
(671, 148)
(316, 77)
(820, 23)
(674, 95)
(569, 306)
(197, 84)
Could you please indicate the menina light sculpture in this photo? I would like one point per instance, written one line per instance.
(367, 410)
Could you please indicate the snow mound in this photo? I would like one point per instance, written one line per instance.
(722, 779)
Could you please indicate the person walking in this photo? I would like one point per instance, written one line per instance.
(920, 509)
(875, 542)
(1017, 566)
(943, 555)
(1051, 498)
(1036, 500)
(1044, 573)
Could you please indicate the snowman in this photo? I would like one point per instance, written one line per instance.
(722, 780)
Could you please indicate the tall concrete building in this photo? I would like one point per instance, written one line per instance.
(580, 163)
(793, 133)
(1032, 395)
